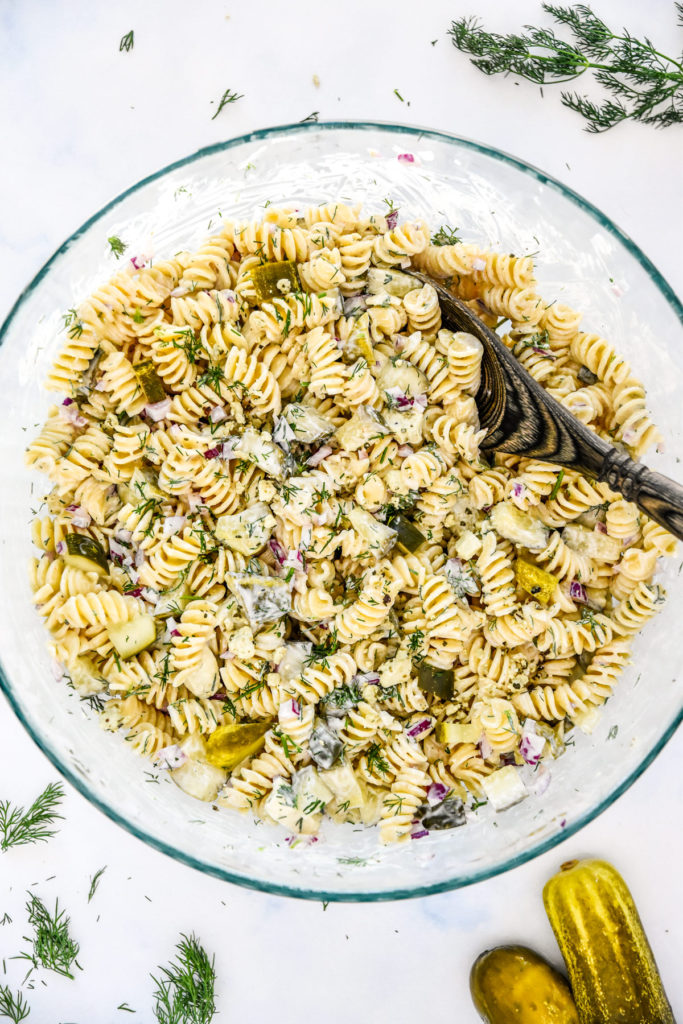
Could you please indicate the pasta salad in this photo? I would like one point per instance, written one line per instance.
(275, 554)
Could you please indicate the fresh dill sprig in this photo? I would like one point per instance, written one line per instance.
(446, 235)
(72, 323)
(227, 97)
(19, 827)
(127, 42)
(15, 1008)
(53, 947)
(95, 881)
(644, 84)
(185, 989)
(117, 246)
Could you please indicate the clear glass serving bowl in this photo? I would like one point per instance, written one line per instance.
(582, 258)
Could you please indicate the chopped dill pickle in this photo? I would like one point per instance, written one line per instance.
(409, 538)
(150, 381)
(438, 681)
(230, 744)
(86, 554)
(273, 280)
(537, 582)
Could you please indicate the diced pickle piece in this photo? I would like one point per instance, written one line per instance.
(591, 543)
(390, 281)
(229, 744)
(449, 813)
(364, 426)
(86, 554)
(259, 448)
(504, 787)
(294, 659)
(85, 676)
(537, 582)
(451, 733)
(324, 746)
(130, 638)
(379, 537)
(198, 779)
(308, 425)
(438, 681)
(519, 527)
(345, 786)
(248, 531)
(409, 538)
(399, 373)
(263, 598)
(405, 424)
(149, 380)
(273, 280)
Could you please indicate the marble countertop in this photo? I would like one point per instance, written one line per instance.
(81, 121)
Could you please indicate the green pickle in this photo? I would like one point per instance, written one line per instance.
(514, 985)
(438, 681)
(537, 582)
(274, 280)
(150, 381)
(230, 744)
(408, 537)
(82, 552)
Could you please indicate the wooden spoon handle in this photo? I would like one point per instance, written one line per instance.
(658, 496)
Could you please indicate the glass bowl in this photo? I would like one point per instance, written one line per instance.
(583, 259)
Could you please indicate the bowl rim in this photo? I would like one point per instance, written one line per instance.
(349, 896)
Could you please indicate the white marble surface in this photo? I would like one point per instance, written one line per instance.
(81, 121)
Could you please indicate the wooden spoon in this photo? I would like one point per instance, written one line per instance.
(521, 418)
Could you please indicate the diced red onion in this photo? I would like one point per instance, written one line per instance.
(392, 219)
(577, 592)
(212, 453)
(150, 595)
(419, 728)
(421, 400)
(366, 679)
(124, 536)
(563, 823)
(320, 455)
(137, 592)
(228, 448)
(419, 833)
(119, 553)
(543, 352)
(218, 414)
(138, 262)
(170, 757)
(60, 547)
(540, 781)
(404, 450)
(68, 401)
(436, 793)
(72, 415)
(278, 550)
(81, 518)
(158, 410)
(173, 524)
(485, 748)
(175, 632)
(518, 489)
(405, 158)
(531, 747)
(296, 709)
(362, 453)
(601, 528)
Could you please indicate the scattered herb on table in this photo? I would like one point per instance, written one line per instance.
(117, 246)
(15, 1008)
(397, 93)
(127, 42)
(644, 84)
(53, 947)
(227, 97)
(185, 989)
(315, 116)
(19, 827)
(95, 881)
